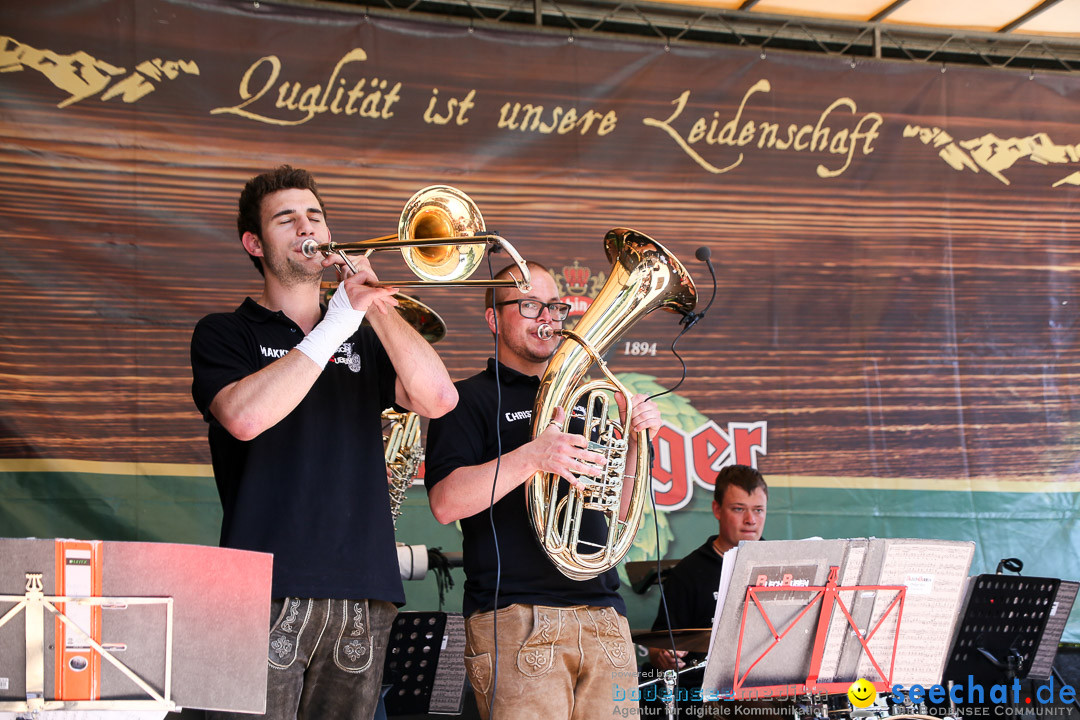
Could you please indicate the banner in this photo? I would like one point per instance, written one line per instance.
(892, 338)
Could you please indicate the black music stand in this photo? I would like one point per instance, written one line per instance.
(642, 573)
(425, 664)
(1009, 630)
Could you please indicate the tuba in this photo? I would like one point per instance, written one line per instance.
(645, 276)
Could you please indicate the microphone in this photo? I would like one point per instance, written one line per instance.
(704, 254)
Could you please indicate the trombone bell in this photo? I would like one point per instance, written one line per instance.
(442, 239)
(436, 212)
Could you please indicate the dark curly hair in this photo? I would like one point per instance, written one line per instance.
(285, 177)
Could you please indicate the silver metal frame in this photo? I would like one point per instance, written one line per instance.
(676, 23)
(34, 603)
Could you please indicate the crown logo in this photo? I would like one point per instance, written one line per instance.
(579, 280)
(576, 278)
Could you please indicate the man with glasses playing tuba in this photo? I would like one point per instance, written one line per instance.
(561, 644)
(293, 392)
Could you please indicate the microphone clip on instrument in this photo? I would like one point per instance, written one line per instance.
(690, 319)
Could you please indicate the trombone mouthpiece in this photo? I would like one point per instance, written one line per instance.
(310, 248)
(544, 332)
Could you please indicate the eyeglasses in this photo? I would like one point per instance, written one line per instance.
(531, 308)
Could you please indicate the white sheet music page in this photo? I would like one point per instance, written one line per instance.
(838, 623)
(934, 573)
(726, 571)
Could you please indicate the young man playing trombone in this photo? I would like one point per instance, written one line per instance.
(292, 392)
(561, 645)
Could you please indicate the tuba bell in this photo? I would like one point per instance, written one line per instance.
(645, 276)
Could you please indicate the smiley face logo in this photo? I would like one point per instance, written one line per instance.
(861, 693)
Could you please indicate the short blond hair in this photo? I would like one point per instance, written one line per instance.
(534, 267)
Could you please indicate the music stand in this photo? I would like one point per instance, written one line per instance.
(829, 598)
(91, 625)
(642, 573)
(1008, 623)
(809, 617)
(425, 664)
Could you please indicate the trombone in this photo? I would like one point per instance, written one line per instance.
(441, 236)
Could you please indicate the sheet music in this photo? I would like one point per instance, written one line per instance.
(934, 573)
(1055, 626)
(749, 645)
(839, 629)
(448, 690)
(726, 571)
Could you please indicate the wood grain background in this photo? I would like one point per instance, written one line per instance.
(901, 320)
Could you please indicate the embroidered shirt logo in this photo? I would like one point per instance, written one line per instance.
(346, 356)
(273, 352)
(519, 415)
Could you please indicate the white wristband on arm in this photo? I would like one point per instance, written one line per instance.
(337, 326)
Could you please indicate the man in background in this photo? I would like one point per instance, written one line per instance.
(740, 500)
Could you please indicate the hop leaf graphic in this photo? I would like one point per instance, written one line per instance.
(677, 412)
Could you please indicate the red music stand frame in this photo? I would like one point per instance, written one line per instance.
(829, 596)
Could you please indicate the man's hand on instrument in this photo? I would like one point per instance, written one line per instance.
(565, 454)
(362, 286)
(646, 415)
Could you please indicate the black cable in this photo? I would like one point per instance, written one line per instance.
(1011, 564)
(682, 362)
(440, 566)
(491, 503)
(689, 320)
(660, 579)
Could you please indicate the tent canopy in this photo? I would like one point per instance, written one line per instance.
(1058, 18)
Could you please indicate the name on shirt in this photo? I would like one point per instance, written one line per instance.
(579, 413)
(343, 356)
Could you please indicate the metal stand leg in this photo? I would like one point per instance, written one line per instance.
(669, 693)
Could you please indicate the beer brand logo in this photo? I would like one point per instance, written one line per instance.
(692, 457)
(577, 287)
(576, 278)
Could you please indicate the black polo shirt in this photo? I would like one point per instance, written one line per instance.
(690, 589)
(312, 488)
(466, 436)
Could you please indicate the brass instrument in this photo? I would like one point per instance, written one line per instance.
(402, 449)
(645, 277)
(441, 236)
(423, 319)
(403, 453)
(401, 443)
